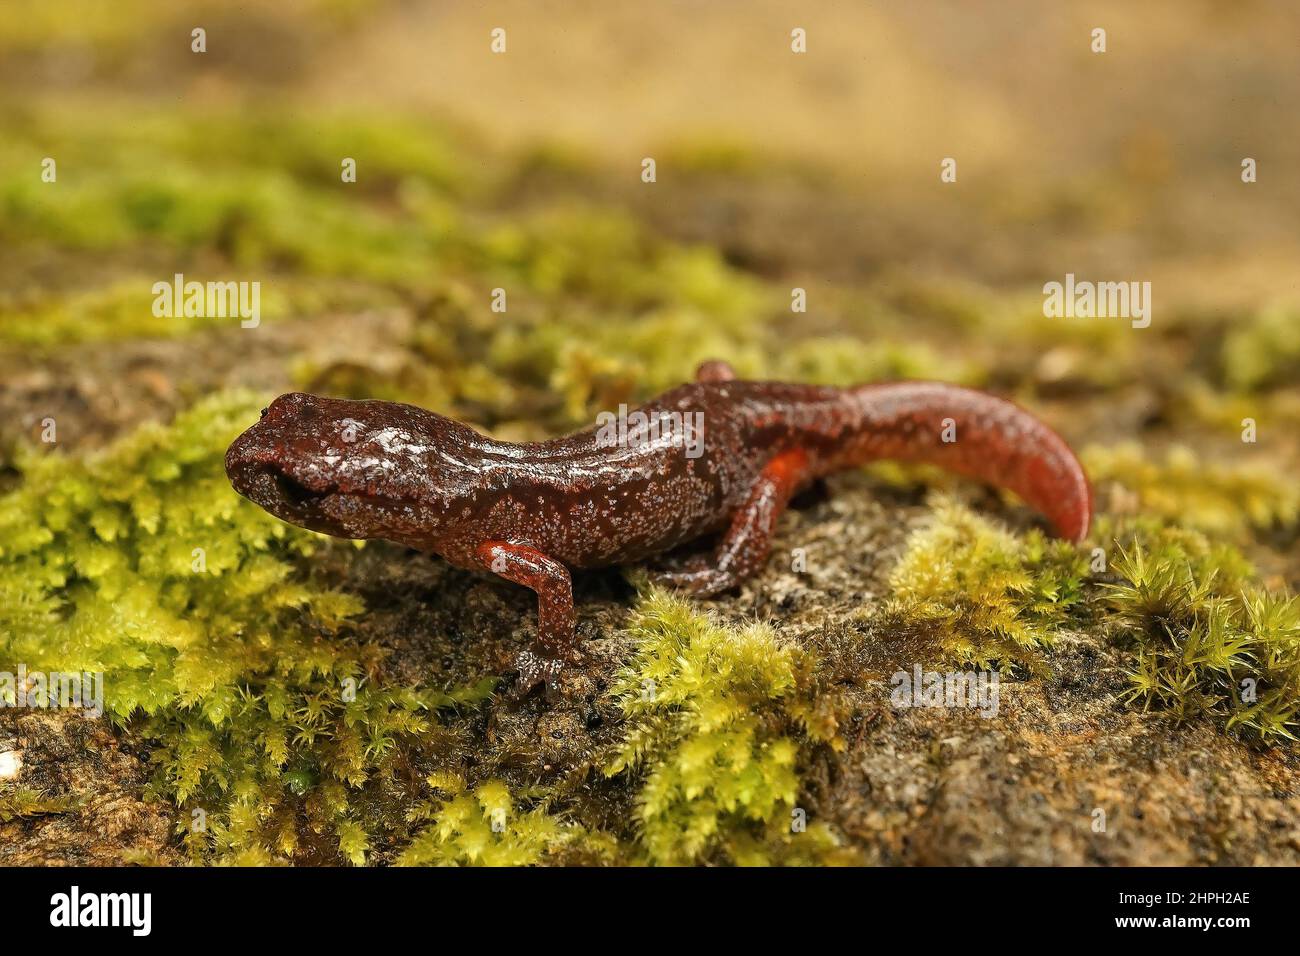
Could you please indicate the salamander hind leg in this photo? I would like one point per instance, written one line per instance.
(556, 641)
(748, 539)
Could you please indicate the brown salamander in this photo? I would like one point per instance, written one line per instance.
(715, 455)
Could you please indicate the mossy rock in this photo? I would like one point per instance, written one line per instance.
(276, 697)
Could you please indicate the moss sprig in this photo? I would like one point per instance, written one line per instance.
(714, 727)
(1209, 640)
(983, 593)
(489, 827)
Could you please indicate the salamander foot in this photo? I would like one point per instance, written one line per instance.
(535, 669)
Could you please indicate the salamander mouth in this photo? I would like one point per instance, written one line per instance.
(289, 498)
(310, 499)
(295, 493)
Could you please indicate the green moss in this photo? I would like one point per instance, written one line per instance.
(844, 360)
(215, 644)
(244, 196)
(547, 371)
(713, 156)
(715, 717)
(1206, 638)
(124, 310)
(233, 678)
(982, 593)
(251, 218)
(1196, 402)
(40, 28)
(42, 24)
(1213, 497)
(1102, 353)
(109, 560)
(600, 310)
(1209, 641)
(488, 828)
(22, 803)
(1263, 351)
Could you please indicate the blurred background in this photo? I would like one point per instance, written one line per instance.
(775, 170)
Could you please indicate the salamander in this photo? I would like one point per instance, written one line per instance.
(716, 455)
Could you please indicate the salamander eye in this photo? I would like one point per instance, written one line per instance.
(264, 411)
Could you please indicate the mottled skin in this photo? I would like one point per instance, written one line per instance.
(530, 511)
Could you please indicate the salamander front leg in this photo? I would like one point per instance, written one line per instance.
(748, 540)
(555, 617)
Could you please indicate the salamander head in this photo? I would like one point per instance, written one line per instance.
(352, 469)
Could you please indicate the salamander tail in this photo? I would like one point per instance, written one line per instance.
(979, 436)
